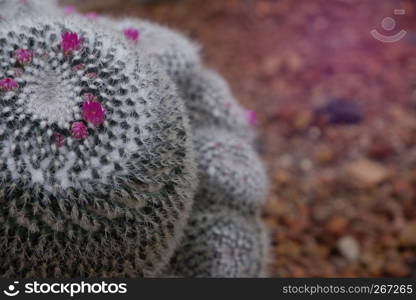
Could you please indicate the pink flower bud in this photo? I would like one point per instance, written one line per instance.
(8, 84)
(24, 56)
(132, 34)
(93, 112)
(79, 130)
(70, 42)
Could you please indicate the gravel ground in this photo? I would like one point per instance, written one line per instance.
(336, 114)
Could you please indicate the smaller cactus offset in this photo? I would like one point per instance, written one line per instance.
(230, 173)
(221, 244)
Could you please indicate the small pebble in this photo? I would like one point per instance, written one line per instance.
(349, 248)
(340, 111)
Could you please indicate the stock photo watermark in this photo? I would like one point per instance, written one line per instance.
(389, 24)
(70, 289)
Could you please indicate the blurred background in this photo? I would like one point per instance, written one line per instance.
(336, 116)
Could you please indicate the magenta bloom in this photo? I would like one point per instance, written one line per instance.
(8, 84)
(59, 139)
(70, 42)
(24, 56)
(93, 112)
(251, 117)
(79, 130)
(69, 9)
(132, 34)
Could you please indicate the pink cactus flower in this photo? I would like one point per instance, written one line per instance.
(24, 56)
(79, 130)
(70, 42)
(8, 84)
(59, 140)
(251, 117)
(69, 9)
(132, 34)
(93, 112)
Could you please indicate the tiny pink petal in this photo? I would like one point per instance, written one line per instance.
(91, 15)
(18, 72)
(70, 42)
(251, 117)
(59, 139)
(24, 56)
(69, 9)
(132, 34)
(93, 112)
(79, 67)
(90, 97)
(92, 75)
(8, 84)
(79, 130)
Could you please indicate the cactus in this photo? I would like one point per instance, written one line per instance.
(221, 244)
(96, 161)
(230, 172)
(225, 236)
(12, 10)
(97, 157)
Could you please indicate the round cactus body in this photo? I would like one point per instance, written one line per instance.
(96, 163)
(221, 244)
